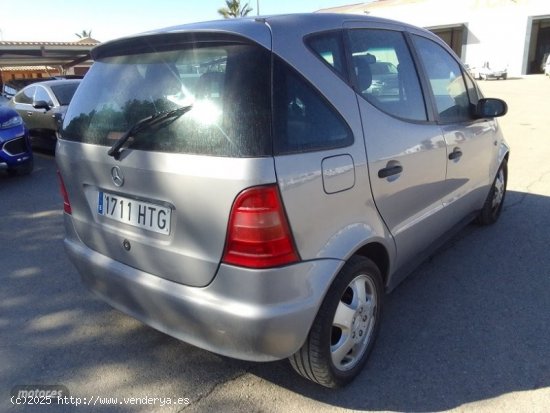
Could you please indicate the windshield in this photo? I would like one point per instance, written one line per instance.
(226, 86)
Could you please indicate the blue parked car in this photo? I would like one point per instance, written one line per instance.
(15, 147)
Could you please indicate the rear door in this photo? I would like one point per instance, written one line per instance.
(406, 150)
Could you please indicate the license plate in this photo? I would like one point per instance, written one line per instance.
(146, 215)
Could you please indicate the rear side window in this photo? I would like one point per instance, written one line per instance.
(227, 86)
(64, 92)
(303, 119)
(328, 46)
(385, 73)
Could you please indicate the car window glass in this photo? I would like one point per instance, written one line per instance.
(303, 120)
(473, 93)
(9, 91)
(328, 47)
(42, 94)
(446, 81)
(227, 86)
(64, 92)
(385, 73)
(25, 96)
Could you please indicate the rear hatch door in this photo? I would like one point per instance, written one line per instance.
(163, 206)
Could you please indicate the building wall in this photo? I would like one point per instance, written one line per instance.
(498, 31)
(22, 73)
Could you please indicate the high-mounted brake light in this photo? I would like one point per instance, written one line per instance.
(66, 203)
(258, 235)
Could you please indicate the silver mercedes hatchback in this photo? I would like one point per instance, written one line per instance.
(254, 186)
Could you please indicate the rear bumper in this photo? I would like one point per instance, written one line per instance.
(245, 314)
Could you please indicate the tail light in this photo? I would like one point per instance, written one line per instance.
(66, 203)
(259, 235)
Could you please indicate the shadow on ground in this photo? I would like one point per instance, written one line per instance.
(473, 323)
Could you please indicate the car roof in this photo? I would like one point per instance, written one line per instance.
(309, 21)
(55, 82)
(258, 29)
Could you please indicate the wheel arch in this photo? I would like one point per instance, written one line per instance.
(503, 154)
(377, 253)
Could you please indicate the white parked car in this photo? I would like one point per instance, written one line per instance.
(488, 71)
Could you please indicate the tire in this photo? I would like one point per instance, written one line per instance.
(345, 329)
(492, 208)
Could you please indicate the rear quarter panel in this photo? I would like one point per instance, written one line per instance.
(327, 225)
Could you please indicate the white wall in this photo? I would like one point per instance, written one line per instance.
(498, 30)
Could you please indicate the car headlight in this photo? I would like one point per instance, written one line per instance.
(12, 122)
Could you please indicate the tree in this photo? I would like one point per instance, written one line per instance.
(233, 9)
(84, 34)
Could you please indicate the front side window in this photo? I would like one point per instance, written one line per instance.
(446, 81)
(42, 94)
(385, 73)
(303, 119)
(25, 96)
(473, 92)
(226, 87)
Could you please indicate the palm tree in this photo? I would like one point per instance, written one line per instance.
(84, 34)
(234, 9)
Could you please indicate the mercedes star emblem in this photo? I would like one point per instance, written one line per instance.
(118, 177)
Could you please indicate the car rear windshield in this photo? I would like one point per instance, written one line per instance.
(225, 84)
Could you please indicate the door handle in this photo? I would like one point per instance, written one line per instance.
(390, 170)
(29, 113)
(455, 154)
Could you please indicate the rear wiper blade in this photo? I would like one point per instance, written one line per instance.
(143, 124)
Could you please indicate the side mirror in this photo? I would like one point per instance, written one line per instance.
(41, 104)
(491, 108)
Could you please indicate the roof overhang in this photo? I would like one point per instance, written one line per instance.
(447, 26)
(45, 54)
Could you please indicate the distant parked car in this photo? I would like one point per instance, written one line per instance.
(384, 78)
(11, 87)
(15, 147)
(42, 106)
(488, 71)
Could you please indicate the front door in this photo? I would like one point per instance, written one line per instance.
(471, 143)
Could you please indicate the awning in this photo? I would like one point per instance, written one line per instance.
(64, 54)
(26, 68)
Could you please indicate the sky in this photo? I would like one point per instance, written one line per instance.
(58, 21)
